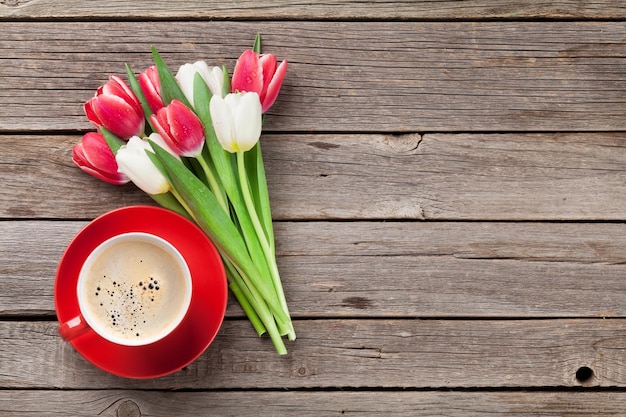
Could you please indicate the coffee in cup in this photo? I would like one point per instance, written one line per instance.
(134, 289)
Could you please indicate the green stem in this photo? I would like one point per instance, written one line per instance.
(182, 202)
(168, 201)
(245, 189)
(234, 278)
(217, 190)
(267, 250)
(278, 285)
(254, 304)
(269, 320)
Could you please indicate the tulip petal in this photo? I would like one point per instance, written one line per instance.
(116, 108)
(184, 77)
(98, 175)
(274, 87)
(94, 156)
(97, 153)
(150, 86)
(90, 113)
(185, 128)
(268, 63)
(161, 123)
(214, 80)
(213, 77)
(223, 123)
(180, 128)
(247, 121)
(158, 139)
(248, 73)
(119, 117)
(78, 155)
(119, 88)
(133, 161)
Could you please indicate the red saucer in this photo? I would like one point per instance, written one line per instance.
(208, 301)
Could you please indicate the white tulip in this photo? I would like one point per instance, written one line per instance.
(213, 77)
(133, 161)
(237, 120)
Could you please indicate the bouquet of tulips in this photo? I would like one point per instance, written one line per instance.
(191, 141)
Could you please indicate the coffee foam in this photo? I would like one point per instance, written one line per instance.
(133, 291)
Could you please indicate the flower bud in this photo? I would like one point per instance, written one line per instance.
(181, 129)
(116, 108)
(259, 74)
(237, 120)
(151, 88)
(186, 74)
(94, 156)
(133, 161)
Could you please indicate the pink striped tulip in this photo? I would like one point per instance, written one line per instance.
(94, 156)
(181, 129)
(259, 74)
(116, 108)
(151, 88)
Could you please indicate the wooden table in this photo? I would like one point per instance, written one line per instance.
(449, 191)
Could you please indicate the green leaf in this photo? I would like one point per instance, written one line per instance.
(197, 169)
(170, 89)
(225, 81)
(168, 201)
(239, 291)
(157, 163)
(258, 186)
(222, 160)
(257, 44)
(267, 250)
(113, 141)
(134, 85)
(202, 98)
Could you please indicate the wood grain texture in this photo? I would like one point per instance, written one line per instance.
(133, 403)
(350, 354)
(447, 179)
(344, 76)
(323, 9)
(380, 269)
(318, 177)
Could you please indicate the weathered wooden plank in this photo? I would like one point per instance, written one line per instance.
(434, 177)
(585, 243)
(344, 76)
(452, 177)
(380, 269)
(351, 354)
(113, 403)
(324, 9)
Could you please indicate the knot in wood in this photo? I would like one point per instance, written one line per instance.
(128, 408)
(403, 144)
(14, 3)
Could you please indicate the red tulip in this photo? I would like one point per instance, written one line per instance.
(259, 74)
(93, 155)
(181, 129)
(151, 88)
(116, 108)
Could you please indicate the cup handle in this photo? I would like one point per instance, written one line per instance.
(73, 328)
